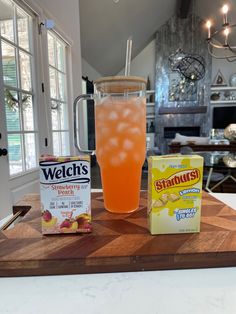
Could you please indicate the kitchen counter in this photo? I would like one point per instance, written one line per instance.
(210, 291)
(169, 291)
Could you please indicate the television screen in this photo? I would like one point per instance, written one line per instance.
(223, 116)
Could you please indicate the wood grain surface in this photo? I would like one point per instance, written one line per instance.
(118, 243)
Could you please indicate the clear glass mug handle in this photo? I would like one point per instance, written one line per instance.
(76, 104)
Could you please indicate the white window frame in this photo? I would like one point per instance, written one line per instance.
(43, 114)
(60, 130)
(32, 92)
(42, 99)
(29, 182)
(44, 111)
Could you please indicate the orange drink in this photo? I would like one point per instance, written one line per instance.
(120, 149)
(120, 123)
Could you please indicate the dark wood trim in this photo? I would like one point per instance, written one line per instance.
(182, 110)
(19, 208)
(17, 212)
(175, 147)
(183, 8)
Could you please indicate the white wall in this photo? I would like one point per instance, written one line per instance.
(89, 71)
(144, 64)
(66, 15)
(226, 68)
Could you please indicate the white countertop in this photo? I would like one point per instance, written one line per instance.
(210, 291)
(195, 291)
(227, 198)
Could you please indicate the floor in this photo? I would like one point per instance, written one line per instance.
(227, 187)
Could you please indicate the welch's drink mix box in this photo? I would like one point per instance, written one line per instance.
(65, 194)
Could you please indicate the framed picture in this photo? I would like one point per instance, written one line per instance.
(219, 80)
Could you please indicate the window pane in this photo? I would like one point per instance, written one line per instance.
(9, 65)
(63, 116)
(55, 116)
(58, 92)
(15, 153)
(51, 50)
(60, 56)
(65, 143)
(23, 29)
(25, 71)
(6, 19)
(61, 143)
(28, 114)
(52, 75)
(59, 116)
(56, 143)
(30, 153)
(12, 110)
(61, 86)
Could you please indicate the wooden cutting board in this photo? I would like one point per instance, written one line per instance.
(117, 243)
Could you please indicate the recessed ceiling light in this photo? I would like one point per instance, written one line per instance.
(116, 1)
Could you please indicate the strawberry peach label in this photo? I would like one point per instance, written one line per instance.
(65, 194)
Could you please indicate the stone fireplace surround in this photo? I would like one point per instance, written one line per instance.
(185, 124)
(189, 35)
(169, 132)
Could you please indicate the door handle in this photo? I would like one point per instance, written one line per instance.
(3, 152)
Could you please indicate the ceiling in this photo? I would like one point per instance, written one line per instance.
(106, 26)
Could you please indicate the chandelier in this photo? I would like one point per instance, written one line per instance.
(220, 44)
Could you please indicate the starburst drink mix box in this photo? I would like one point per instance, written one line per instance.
(65, 194)
(174, 193)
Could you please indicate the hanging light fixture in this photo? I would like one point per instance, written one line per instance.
(220, 44)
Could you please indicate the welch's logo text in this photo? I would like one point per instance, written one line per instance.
(53, 172)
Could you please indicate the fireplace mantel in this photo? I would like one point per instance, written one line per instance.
(182, 110)
(175, 147)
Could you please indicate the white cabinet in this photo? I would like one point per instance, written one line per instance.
(150, 140)
(150, 111)
(150, 114)
(223, 95)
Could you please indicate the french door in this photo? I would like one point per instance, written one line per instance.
(18, 154)
(24, 103)
(5, 197)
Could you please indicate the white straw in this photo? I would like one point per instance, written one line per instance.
(128, 56)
